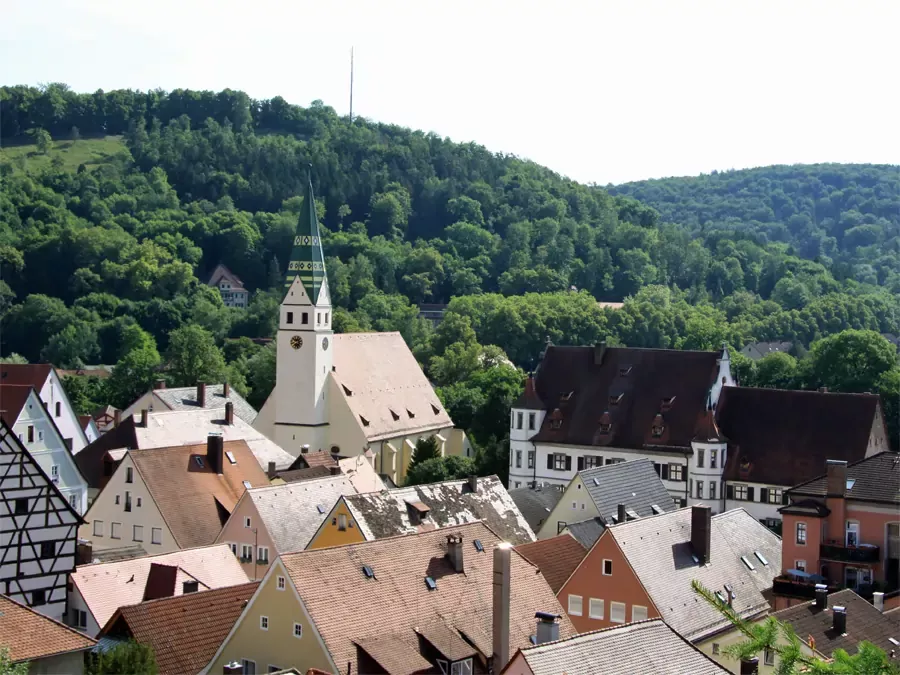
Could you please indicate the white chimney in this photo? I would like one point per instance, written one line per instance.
(547, 627)
(878, 601)
(502, 583)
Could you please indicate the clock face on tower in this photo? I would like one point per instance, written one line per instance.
(296, 342)
(325, 344)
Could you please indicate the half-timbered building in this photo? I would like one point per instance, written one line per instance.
(38, 529)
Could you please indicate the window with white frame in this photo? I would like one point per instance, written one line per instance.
(280, 583)
(801, 534)
(699, 489)
(740, 492)
(676, 472)
(769, 657)
(575, 605)
(700, 456)
(775, 495)
(248, 667)
(246, 553)
(463, 667)
(531, 420)
(298, 630)
(156, 535)
(98, 528)
(518, 459)
(115, 530)
(595, 608)
(607, 568)
(518, 420)
(617, 612)
(138, 533)
(591, 461)
(638, 613)
(800, 565)
(559, 461)
(531, 459)
(262, 555)
(712, 489)
(264, 623)
(713, 458)
(247, 521)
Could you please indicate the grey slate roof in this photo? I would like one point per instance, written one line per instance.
(633, 483)
(386, 514)
(587, 532)
(185, 398)
(759, 350)
(875, 479)
(291, 511)
(660, 553)
(646, 647)
(536, 503)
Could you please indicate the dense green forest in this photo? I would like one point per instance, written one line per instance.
(117, 206)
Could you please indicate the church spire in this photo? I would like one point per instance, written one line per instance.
(307, 260)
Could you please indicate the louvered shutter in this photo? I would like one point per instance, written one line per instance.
(751, 494)
(785, 499)
(665, 472)
(550, 461)
(581, 463)
(729, 491)
(568, 462)
(764, 495)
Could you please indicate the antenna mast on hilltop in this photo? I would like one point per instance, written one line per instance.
(351, 85)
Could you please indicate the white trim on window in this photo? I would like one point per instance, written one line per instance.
(617, 611)
(298, 630)
(263, 622)
(595, 608)
(280, 583)
(576, 603)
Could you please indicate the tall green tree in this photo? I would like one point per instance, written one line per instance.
(193, 357)
(125, 657)
(853, 360)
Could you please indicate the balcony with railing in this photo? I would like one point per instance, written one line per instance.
(839, 552)
(794, 587)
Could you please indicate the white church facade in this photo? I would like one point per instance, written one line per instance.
(348, 394)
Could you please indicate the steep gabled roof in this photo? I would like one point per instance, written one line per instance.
(587, 532)
(536, 503)
(579, 384)
(784, 437)
(188, 494)
(396, 602)
(529, 398)
(642, 647)
(874, 479)
(294, 511)
(660, 553)
(634, 484)
(307, 260)
(107, 586)
(29, 635)
(864, 622)
(12, 400)
(386, 513)
(556, 558)
(384, 387)
(222, 271)
(186, 630)
(31, 374)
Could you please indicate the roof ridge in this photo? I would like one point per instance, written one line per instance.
(858, 394)
(593, 633)
(320, 479)
(190, 595)
(152, 555)
(877, 455)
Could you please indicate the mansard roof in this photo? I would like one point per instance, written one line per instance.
(579, 384)
(307, 259)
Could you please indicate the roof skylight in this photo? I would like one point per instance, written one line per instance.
(747, 562)
(761, 558)
(368, 571)
(230, 455)
(479, 546)
(431, 583)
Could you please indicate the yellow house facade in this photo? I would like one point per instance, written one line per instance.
(574, 506)
(274, 632)
(716, 646)
(339, 527)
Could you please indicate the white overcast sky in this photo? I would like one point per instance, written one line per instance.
(600, 91)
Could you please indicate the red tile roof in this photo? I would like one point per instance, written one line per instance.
(184, 631)
(31, 374)
(12, 400)
(784, 437)
(29, 635)
(579, 384)
(556, 558)
(313, 459)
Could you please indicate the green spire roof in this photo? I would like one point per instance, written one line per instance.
(307, 260)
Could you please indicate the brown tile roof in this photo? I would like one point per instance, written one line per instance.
(384, 386)
(786, 436)
(12, 400)
(529, 398)
(864, 622)
(628, 384)
(874, 479)
(32, 374)
(184, 631)
(313, 459)
(396, 601)
(556, 558)
(297, 475)
(90, 459)
(29, 635)
(187, 494)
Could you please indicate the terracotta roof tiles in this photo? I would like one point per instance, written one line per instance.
(556, 558)
(29, 635)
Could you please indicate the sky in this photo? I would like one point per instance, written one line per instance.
(601, 91)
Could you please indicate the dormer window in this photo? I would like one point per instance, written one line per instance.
(605, 423)
(616, 399)
(394, 415)
(659, 426)
(667, 403)
(556, 419)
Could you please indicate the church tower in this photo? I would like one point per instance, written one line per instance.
(304, 349)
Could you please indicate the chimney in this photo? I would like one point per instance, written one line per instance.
(701, 530)
(160, 581)
(84, 553)
(547, 627)
(599, 353)
(334, 470)
(821, 596)
(620, 514)
(215, 451)
(229, 413)
(270, 473)
(201, 394)
(473, 483)
(233, 668)
(455, 552)
(117, 418)
(835, 478)
(145, 417)
(750, 666)
(159, 384)
(226, 389)
(840, 619)
(878, 601)
(500, 624)
(304, 449)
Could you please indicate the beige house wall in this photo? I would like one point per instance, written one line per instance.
(574, 506)
(71, 663)
(237, 533)
(145, 402)
(107, 511)
(715, 647)
(344, 428)
(276, 646)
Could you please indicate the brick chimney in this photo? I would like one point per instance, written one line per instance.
(304, 449)
(160, 581)
(201, 394)
(455, 551)
(473, 483)
(229, 413)
(226, 389)
(145, 417)
(620, 513)
(334, 470)
(215, 451)
(750, 666)
(839, 619)
(599, 353)
(117, 418)
(500, 615)
(159, 384)
(835, 478)
(547, 627)
(701, 532)
(270, 472)
(821, 596)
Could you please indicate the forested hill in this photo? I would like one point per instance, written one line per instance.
(847, 215)
(115, 207)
